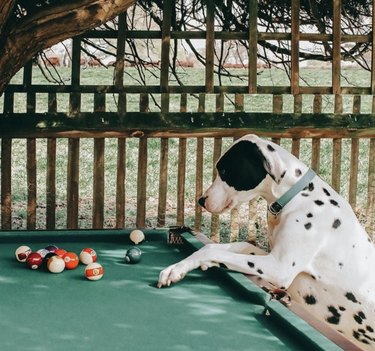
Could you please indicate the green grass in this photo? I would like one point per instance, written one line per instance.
(103, 76)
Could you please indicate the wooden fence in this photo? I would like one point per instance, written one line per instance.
(295, 112)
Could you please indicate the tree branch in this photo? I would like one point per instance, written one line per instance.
(50, 26)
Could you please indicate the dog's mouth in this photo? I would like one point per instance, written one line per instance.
(227, 206)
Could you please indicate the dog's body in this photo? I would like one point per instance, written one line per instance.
(319, 251)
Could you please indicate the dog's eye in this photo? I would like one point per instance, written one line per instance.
(222, 172)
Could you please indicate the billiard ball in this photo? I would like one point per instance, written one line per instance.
(137, 236)
(49, 255)
(88, 255)
(22, 252)
(43, 252)
(133, 255)
(94, 271)
(71, 260)
(34, 260)
(60, 252)
(51, 248)
(55, 264)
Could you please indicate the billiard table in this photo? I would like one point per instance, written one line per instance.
(211, 310)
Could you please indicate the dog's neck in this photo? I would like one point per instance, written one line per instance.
(271, 191)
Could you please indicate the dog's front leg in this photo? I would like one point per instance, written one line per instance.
(266, 266)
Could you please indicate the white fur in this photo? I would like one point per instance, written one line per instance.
(322, 263)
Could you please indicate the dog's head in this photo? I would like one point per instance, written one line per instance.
(242, 172)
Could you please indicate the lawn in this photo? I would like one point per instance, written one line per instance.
(190, 77)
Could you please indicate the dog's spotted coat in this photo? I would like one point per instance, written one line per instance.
(319, 251)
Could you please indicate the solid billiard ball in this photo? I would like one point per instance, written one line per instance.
(51, 248)
(22, 252)
(55, 264)
(133, 255)
(88, 255)
(60, 252)
(94, 271)
(137, 236)
(71, 260)
(34, 260)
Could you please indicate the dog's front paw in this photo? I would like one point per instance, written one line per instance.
(171, 274)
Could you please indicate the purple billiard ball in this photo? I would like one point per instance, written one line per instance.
(51, 248)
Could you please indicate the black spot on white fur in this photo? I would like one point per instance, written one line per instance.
(309, 215)
(308, 226)
(326, 192)
(350, 296)
(336, 223)
(297, 172)
(335, 316)
(334, 203)
(319, 202)
(270, 147)
(251, 264)
(359, 317)
(310, 299)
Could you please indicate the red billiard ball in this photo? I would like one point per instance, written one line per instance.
(22, 252)
(71, 260)
(88, 255)
(34, 260)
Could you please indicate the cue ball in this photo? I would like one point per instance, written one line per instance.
(22, 252)
(94, 271)
(34, 260)
(133, 255)
(55, 264)
(137, 236)
(71, 260)
(88, 255)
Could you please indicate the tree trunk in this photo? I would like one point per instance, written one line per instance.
(21, 41)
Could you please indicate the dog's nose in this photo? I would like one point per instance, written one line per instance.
(202, 200)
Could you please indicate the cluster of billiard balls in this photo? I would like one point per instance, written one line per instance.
(57, 260)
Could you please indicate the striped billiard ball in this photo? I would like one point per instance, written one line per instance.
(22, 252)
(94, 271)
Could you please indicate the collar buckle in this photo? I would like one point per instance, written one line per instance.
(275, 208)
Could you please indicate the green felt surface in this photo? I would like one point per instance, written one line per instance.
(125, 311)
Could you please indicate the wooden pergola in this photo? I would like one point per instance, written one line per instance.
(188, 122)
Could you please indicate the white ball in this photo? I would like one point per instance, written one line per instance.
(22, 252)
(87, 255)
(56, 264)
(137, 236)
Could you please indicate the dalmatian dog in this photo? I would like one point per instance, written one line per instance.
(319, 251)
